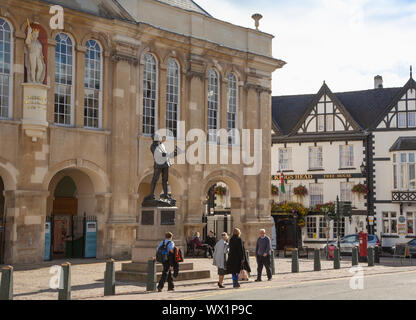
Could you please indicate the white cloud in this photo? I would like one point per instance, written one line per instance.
(344, 42)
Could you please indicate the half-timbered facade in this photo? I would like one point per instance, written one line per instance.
(336, 144)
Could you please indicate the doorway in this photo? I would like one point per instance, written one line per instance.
(286, 229)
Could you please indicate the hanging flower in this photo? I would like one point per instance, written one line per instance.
(324, 207)
(220, 190)
(360, 188)
(300, 191)
(290, 208)
(275, 190)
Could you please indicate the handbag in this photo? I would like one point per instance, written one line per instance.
(243, 275)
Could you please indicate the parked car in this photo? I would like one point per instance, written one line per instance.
(351, 240)
(412, 247)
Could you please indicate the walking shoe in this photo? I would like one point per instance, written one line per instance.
(159, 290)
(220, 286)
(257, 280)
(172, 289)
(270, 279)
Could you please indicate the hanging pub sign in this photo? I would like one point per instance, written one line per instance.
(319, 176)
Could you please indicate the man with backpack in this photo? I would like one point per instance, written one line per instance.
(165, 255)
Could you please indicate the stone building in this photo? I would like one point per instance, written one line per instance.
(115, 73)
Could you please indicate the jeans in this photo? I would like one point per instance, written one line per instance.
(263, 261)
(166, 275)
(235, 279)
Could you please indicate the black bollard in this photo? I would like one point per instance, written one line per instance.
(272, 265)
(295, 261)
(317, 260)
(371, 257)
(109, 278)
(6, 287)
(377, 254)
(151, 275)
(65, 292)
(337, 262)
(354, 256)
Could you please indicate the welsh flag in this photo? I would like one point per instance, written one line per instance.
(282, 183)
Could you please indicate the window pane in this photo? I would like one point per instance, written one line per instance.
(149, 94)
(5, 63)
(213, 105)
(92, 83)
(232, 107)
(172, 98)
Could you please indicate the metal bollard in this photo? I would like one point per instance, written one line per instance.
(317, 260)
(151, 275)
(371, 257)
(354, 256)
(377, 254)
(6, 287)
(272, 265)
(337, 263)
(109, 278)
(65, 292)
(295, 261)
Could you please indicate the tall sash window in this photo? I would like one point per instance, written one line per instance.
(149, 94)
(6, 62)
(213, 105)
(172, 97)
(232, 108)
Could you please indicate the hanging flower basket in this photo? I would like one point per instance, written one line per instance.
(360, 189)
(289, 208)
(220, 191)
(323, 208)
(275, 190)
(301, 223)
(300, 191)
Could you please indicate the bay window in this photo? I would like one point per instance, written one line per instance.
(389, 223)
(410, 221)
(404, 171)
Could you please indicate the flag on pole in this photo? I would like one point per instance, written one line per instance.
(282, 183)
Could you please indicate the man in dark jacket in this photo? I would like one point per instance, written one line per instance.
(263, 248)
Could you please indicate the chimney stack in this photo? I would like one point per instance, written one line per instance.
(378, 82)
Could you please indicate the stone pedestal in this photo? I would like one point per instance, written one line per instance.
(34, 121)
(153, 224)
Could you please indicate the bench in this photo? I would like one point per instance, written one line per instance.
(402, 252)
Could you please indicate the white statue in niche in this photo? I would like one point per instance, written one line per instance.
(34, 60)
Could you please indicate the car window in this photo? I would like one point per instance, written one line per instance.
(412, 242)
(349, 239)
(371, 237)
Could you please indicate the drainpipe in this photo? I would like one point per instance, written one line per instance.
(369, 174)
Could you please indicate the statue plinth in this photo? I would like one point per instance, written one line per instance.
(35, 98)
(154, 222)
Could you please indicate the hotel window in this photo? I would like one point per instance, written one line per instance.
(232, 108)
(315, 158)
(93, 85)
(410, 220)
(172, 98)
(213, 105)
(150, 76)
(6, 75)
(316, 195)
(341, 224)
(325, 115)
(311, 227)
(346, 156)
(389, 223)
(64, 75)
(404, 172)
(323, 228)
(287, 196)
(345, 188)
(285, 159)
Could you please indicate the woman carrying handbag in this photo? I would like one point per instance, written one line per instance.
(235, 256)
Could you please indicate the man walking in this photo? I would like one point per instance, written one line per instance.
(263, 248)
(168, 262)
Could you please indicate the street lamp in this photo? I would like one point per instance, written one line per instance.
(363, 169)
(295, 217)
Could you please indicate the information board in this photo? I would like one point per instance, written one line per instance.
(90, 239)
(48, 238)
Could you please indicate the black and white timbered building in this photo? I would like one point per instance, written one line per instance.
(331, 143)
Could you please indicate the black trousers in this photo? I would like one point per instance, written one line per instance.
(165, 176)
(263, 261)
(207, 248)
(166, 275)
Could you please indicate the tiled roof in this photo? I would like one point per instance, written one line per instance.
(109, 9)
(186, 5)
(364, 106)
(404, 143)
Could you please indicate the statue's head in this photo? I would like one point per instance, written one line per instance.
(157, 138)
(35, 34)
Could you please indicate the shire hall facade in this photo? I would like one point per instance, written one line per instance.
(117, 72)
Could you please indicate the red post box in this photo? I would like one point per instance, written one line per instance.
(362, 238)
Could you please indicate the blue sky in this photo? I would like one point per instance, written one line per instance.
(344, 42)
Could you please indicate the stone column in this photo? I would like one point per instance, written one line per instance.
(102, 212)
(25, 226)
(19, 73)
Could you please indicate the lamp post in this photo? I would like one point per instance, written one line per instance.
(295, 218)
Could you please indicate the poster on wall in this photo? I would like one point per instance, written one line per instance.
(402, 229)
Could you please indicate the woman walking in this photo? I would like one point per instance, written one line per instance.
(235, 256)
(220, 251)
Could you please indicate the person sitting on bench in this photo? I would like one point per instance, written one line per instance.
(204, 247)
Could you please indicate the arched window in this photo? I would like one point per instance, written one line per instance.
(232, 108)
(213, 105)
(64, 74)
(172, 97)
(6, 63)
(93, 85)
(149, 94)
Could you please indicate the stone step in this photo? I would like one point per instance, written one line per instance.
(131, 276)
(142, 267)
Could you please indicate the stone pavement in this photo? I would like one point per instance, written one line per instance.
(88, 279)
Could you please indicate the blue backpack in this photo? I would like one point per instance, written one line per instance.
(162, 253)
